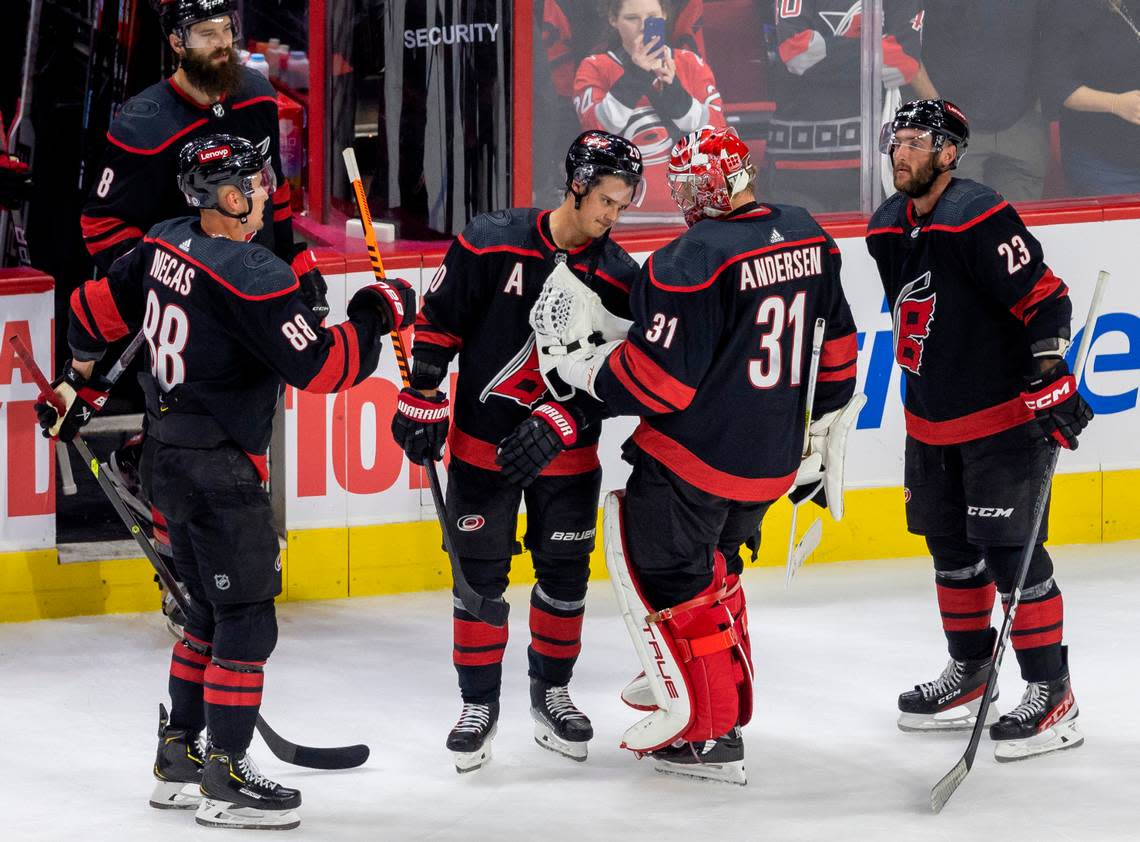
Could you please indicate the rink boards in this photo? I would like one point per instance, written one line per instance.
(359, 516)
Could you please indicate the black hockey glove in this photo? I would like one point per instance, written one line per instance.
(531, 446)
(420, 425)
(82, 398)
(314, 290)
(1060, 411)
(393, 297)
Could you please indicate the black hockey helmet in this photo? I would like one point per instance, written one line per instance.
(176, 15)
(595, 154)
(211, 162)
(943, 119)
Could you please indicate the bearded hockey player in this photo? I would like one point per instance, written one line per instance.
(981, 328)
(226, 327)
(512, 439)
(716, 364)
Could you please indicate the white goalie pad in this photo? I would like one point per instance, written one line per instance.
(827, 452)
(638, 694)
(668, 688)
(568, 311)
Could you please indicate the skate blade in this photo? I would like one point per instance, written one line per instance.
(959, 718)
(213, 813)
(550, 741)
(1063, 735)
(470, 761)
(174, 795)
(727, 773)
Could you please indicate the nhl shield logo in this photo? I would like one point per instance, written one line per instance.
(222, 581)
(219, 110)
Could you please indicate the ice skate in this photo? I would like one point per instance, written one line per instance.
(177, 768)
(1044, 721)
(470, 740)
(721, 759)
(558, 724)
(236, 794)
(950, 702)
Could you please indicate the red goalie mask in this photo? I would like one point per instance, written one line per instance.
(706, 169)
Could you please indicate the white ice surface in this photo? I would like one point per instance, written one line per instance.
(78, 700)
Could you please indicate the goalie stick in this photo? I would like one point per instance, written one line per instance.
(493, 612)
(341, 757)
(945, 788)
(798, 552)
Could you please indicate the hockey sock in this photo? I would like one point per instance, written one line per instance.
(478, 656)
(1039, 624)
(555, 635)
(233, 697)
(187, 669)
(965, 597)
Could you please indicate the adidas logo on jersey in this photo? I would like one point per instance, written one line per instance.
(185, 245)
(776, 236)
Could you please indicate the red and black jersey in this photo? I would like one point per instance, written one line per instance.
(972, 301)
(225, 325)
(478, 306)
(817, 122)
(718, 358)
(136, 185)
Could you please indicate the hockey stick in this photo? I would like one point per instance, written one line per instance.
(950, 782)
(798, 552)
(342, 757)
(493, 612)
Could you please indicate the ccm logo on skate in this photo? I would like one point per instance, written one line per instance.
(572, 536)
(652, 641)
(469, 523)
(1058, 713)
(216, 154)
(988, 511)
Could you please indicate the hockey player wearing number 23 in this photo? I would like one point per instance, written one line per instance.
(981, 329)
(226, 328)
(511, 438)
(716, 363)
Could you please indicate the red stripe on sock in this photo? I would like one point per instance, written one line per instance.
(1036, 615)
(568, 629)
(227, 699)
(474, 633)
(186, 672)
(555, 650)
(181, 650)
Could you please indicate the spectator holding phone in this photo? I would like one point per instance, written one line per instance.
(647, 92)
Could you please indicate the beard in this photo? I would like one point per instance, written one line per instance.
(919, 182)
(212, 79)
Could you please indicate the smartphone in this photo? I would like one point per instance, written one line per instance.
(654, 28)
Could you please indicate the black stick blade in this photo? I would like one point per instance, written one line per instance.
(946, 787)
(493, 612)
(339, 757)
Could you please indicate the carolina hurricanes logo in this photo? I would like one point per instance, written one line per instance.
(519, 380)
(913, 319)
(845, 24)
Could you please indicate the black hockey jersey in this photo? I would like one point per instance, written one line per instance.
(225, 325)
(719, 354)
(972, 300)
(136, 184)
(478, 305)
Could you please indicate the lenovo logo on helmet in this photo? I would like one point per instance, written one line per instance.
(218, 153)
(596, 141)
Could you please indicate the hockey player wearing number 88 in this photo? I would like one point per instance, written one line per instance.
(226, 327)
(981, 330)
(716, 363)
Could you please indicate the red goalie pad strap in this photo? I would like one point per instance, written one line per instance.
(701, 647)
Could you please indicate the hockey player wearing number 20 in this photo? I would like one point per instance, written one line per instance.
(716, 363)
(226, 327)
(981, 329)
(512, 439)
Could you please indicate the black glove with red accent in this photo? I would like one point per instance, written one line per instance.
(393, 297)
(314, 290)
(534, 443)
(420, 424)
(82, 398)
(15, 182)
(1060, 411)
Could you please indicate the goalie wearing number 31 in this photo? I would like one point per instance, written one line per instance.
(716, 364)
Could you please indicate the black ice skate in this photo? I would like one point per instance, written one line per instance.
(721, 759)
(1044, 721)
(950, 702)
(558, 724)
(177, 768)
(470, 739)
(236, 794)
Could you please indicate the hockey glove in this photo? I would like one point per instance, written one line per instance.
(534, 443)
(314, 290)
(393, 297)
(1058, 407)
(420, 424)
(15, 182)
(82, 398)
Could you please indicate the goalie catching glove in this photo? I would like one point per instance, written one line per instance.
(534, 443)
(820, 475)
(82, 399)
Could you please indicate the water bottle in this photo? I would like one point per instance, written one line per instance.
(297, 71)
(258, 64)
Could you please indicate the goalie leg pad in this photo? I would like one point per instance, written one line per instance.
(695, 665)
